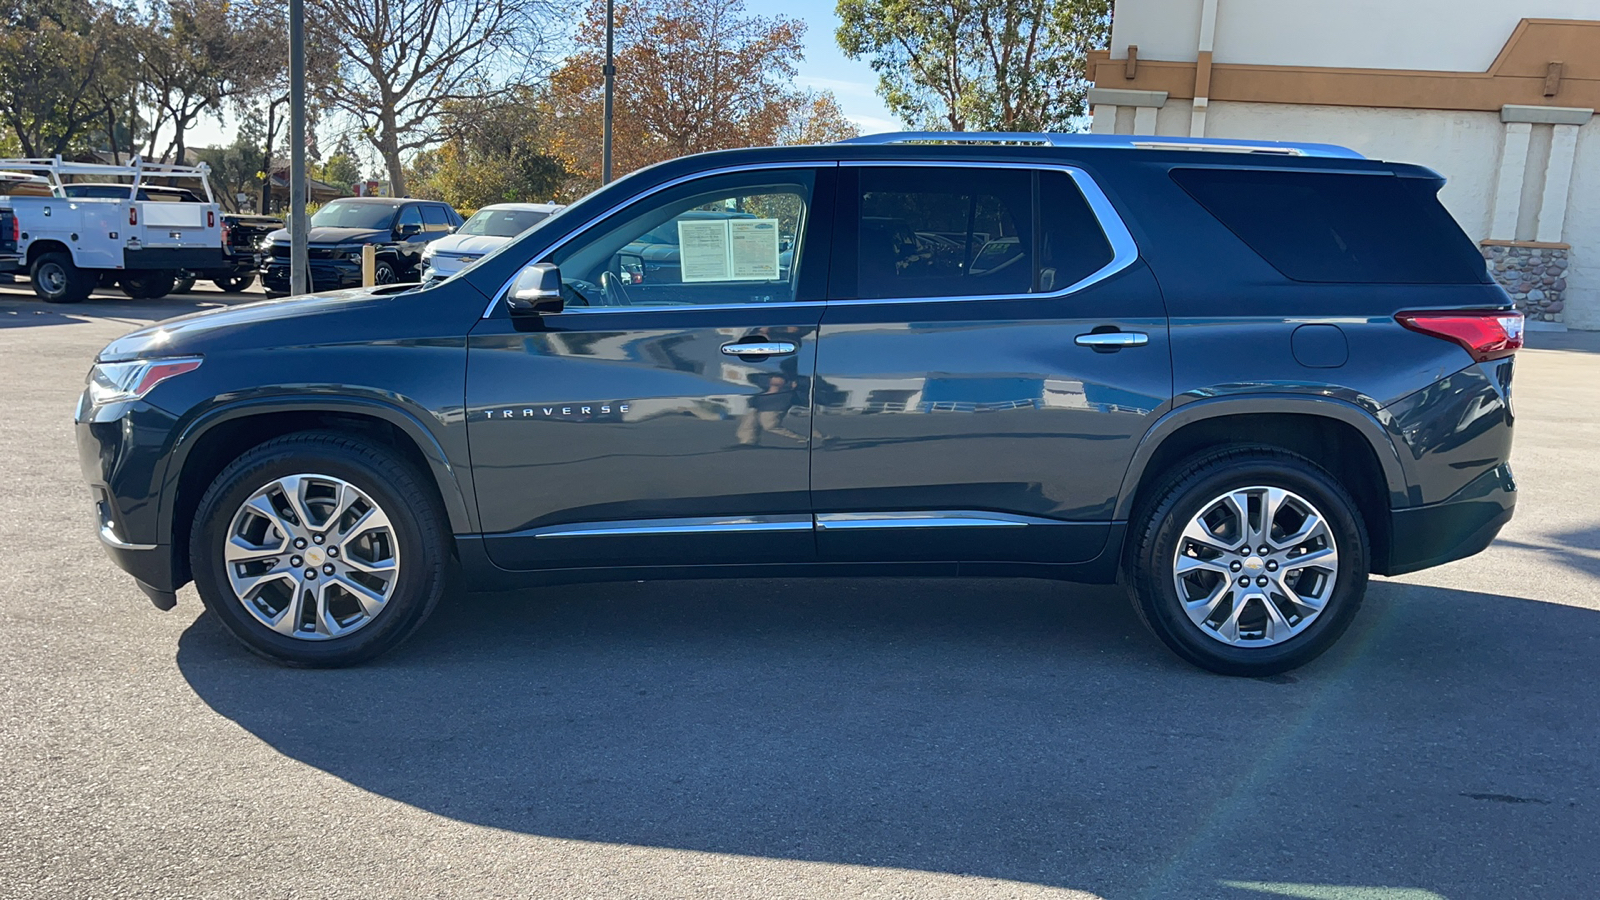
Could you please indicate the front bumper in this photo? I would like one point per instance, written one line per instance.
(326, 275)
(123, 462)
(1465, 524)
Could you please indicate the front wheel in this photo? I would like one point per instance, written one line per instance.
(318, 549)
(384, 272)
(1250, 561)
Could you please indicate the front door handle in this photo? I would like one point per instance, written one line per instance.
(1112, 340)
(759, 348)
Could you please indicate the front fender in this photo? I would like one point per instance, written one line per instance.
(446, 474)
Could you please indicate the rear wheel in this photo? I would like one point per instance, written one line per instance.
(57, 280)
(149, 284)
(318, 549)
(1250, 561)
(234, 284)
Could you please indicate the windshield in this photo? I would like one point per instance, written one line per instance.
(502, 222)
(353, 215)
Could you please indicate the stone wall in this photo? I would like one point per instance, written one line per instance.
(1536, 277)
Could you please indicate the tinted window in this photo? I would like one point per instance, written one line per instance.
(720, 240)
(930, 232)
(339, 214)
(434, 218)
(1332, 227)
(409, 215)
(1072, 245)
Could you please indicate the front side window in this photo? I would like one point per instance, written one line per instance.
(409, 215)
(376, 216)
(732, 239)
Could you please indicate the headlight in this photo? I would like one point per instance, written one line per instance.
(120, 381)
(428, 252)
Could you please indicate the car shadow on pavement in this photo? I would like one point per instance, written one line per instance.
(1011, 729)
(24, 310)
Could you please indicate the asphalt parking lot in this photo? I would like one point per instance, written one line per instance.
(774, 739)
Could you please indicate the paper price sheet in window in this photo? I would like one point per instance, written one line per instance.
(728, 249)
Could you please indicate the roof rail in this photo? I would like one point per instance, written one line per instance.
(1124, 141)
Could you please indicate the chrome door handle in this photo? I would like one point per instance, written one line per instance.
(1112, 340)
(764, 348)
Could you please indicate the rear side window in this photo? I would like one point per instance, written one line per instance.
(1337, 227)
(926, 231)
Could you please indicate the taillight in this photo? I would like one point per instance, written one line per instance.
(211, 219)
(227, 234)
(133, 215)
(1485, 333)
(16, 229)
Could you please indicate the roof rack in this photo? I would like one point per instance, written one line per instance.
(1124, 141)
(52, 168)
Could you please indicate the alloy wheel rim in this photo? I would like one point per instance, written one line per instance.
(1255, 566)
(312, 557)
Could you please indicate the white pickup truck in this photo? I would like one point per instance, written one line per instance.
(69, 245)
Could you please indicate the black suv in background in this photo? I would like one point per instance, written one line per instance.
(399, 230)
(1237, 377)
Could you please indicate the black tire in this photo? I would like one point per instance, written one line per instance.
(384, 272)
(235, 284)
(149, 284)
(184, 282)
(57, 280)
(1161, 521)
(395, 486)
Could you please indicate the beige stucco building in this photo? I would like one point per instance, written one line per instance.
(1497, 95)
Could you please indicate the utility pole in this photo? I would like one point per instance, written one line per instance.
(611, 77)
(298, 266)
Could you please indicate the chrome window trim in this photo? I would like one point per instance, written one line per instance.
(1124, 249)
(665, 185)
(963, 518)
(693, 525)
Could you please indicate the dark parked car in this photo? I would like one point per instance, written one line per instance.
(1236, 377)
(399, 230)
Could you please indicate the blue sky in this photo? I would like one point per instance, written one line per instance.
(825, 69)
(853, 83)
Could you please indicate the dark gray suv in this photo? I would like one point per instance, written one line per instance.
(1237, 377)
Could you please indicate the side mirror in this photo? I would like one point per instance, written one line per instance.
(536, 291)
(410, 229)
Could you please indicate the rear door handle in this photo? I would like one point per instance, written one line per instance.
(761, 348)
(1113, 340)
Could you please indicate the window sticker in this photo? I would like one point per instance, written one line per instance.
(728, 249)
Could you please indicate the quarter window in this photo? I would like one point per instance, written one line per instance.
(723, 240)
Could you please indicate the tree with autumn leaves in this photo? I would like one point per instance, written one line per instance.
(692, 75)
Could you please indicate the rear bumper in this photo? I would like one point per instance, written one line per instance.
(193, 258)
(1465, 524)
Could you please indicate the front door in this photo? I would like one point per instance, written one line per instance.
(991, 355)
(664, 416)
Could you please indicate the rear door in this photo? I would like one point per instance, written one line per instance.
(992, 351)
(663, 417)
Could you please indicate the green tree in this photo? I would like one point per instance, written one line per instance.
(978, 65)
(493, 154)
(341, 168)
(52, 53)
